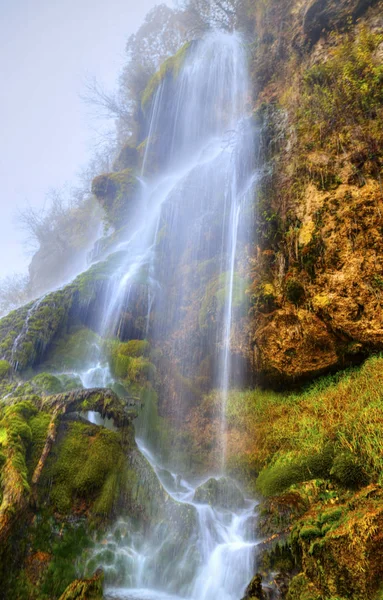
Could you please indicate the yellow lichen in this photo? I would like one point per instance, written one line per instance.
(320, 301)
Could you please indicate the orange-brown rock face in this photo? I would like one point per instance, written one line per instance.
(317, 273)
(341, 315)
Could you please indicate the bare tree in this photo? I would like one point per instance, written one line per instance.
(107, 105)
(14, 291)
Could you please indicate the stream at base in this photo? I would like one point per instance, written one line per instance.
(224, 543)
(219, 563)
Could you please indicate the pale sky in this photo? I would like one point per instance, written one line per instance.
(48, 48)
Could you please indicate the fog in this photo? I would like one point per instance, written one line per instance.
(48, 50)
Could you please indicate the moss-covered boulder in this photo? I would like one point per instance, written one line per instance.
(115, 193)
(222, 493)
(301, 588)
(129, 362)
(85, 589)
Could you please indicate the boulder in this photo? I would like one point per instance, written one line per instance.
(221, 493)
(254, 590)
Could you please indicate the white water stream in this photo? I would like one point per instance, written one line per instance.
(207, 180)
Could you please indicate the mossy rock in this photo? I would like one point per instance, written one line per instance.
(348, 470)
(264, 297)
(73, 350)
(254, 590)
(331, 516)
(128, 361)
(134, 348)
(27, 333)
(275, 479)
(309, 532)
(170, 68)
(85, 589)
(115, 193)
(301, 588)
(47, 384)
(88, 463)
(5, 369)
(221, 493)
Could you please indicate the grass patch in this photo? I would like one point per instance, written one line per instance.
(333, 430)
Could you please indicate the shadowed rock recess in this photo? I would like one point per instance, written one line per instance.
(199, 414)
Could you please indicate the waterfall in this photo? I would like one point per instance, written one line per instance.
(188, 242)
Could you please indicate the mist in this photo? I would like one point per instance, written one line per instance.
(48, 133)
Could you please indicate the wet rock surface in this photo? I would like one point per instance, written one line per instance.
(220, 493)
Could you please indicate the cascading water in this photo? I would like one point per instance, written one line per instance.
(188, 237)
(222, 559)
(198, 211)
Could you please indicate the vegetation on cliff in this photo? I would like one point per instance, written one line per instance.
(314, 283)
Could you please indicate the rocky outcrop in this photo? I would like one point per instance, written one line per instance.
(116, 193)
(325, 15)
(315, 290)
(26, 334)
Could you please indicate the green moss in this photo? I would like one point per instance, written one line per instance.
(88, 463)
(331, 516)
(47, 383)
(5, 368)
(151, 426)
(115, 191)
(301, 588)
(171, 66)
(37, 326)
(348, 470)
(291, 470)
(309, 532)
(73, 350)
(134, 348)
(39, 428)
(17, 440)
(40, 324)
(129, 363)
(63, 568)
